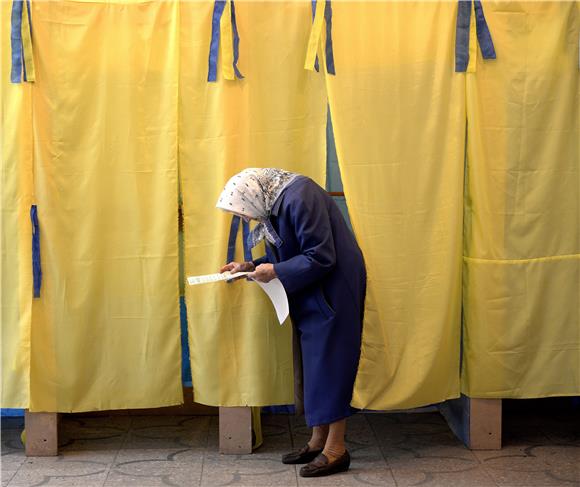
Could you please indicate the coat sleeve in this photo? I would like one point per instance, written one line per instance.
(311, 222)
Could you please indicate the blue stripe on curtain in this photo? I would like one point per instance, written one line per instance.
(36, 267)
(16, 42)
(463, 30)
(218, 10)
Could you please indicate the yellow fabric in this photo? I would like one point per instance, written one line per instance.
(27, 45)
(522, 208)
(398, 111)
(258, 438)
(276, 117)
(106, 329)
(226, 42)
(104, 126)
(473, 44)
(315, 36)
(16, 242)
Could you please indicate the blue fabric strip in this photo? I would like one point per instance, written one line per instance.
(235, 225)
(36, 268)
(316, 65)
(483, 34)
(16, 42)
(218, 10)
(185, 361)
(462, 36)
(236, 43)
(329, 50)
(245, 236)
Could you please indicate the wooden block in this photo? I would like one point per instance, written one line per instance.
(476, 422)
(235, 425)
(485, 424)
(41, 434)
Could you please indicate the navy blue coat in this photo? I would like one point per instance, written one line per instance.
(323, 272)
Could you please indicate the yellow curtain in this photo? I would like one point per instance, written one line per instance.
(16, 241)
(522, 208)
(102, 139)
(274, 117)
(106, 328)
(398, 110)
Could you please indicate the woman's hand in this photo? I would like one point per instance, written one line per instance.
(263, 273)
(234, 267)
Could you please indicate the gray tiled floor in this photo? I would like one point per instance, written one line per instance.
(396, 449)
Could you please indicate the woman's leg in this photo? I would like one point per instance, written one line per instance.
(318, 439)
(335, 447)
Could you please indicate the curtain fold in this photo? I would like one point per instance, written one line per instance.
(274, 117)
(398, 111)
(522, 207)
(16, 187)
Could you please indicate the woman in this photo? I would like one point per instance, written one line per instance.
(311, 250)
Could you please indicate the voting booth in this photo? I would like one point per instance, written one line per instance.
(456, 130)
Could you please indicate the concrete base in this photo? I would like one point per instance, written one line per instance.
(476, 422)
(235, 430)
(41, 434)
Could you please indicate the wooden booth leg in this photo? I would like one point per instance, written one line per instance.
(476, 422)
(41, 434)
(235, 425)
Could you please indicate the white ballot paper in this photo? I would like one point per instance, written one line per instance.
(224, 276)
(274, 289)
(277, 294)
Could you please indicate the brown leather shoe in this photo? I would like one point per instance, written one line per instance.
(320, 466)
(304, 455)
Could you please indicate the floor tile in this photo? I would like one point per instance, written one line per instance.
(93, 433)
(169, 432)
(156, 467)
(472, 476)
(168, 458)
(12, 460)
(416, 429)
(59, 472)
(6, 476)
(387, 450)
(78, 467)
(258, 469)
(176, 477)
(534, 465)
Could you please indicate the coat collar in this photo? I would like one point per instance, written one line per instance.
(276, 206)
(277, 203)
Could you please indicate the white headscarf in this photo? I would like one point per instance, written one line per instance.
(252, 193)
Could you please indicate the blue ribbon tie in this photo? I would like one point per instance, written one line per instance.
(462, 34)
(36, 267)
(218, 10)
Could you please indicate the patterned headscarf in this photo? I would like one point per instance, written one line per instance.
(252, 193)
